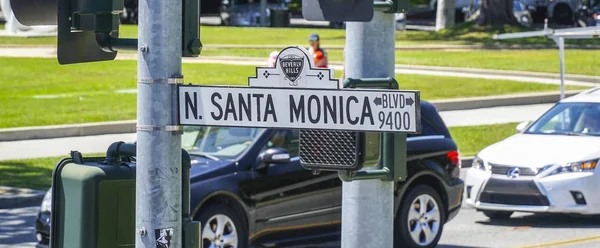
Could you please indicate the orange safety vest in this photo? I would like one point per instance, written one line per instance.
(319, 55)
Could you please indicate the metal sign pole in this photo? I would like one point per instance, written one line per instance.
(367, 205)
(561, 51)
(158, 174)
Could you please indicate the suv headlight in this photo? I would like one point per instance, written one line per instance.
(582, 166)
(478, 164)
(47, 202)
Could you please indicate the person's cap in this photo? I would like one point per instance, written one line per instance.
(313, 37)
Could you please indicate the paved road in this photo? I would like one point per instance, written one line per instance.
(468, 229)
(17, 227)
(99, 143)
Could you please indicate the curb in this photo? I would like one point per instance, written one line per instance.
(498, 101)
(70, 130)
(129, 126)
(11, 197)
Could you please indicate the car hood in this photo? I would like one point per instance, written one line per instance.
(537, 150)
(206, 168)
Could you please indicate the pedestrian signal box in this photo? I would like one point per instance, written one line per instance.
(93, 204)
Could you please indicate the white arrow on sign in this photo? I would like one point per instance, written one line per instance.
(300, 108)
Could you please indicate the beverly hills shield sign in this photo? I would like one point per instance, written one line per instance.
(294, 94)
(291, 66)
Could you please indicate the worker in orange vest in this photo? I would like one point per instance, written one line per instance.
(318, 53)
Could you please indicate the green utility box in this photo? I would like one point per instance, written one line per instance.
(93, 201)
(93, 204)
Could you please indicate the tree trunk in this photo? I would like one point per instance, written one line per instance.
(496, 13)
(444, 17)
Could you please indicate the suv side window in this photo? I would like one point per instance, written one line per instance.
(426, 129)
(288, 139)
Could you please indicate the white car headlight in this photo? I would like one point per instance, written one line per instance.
(47, 202)
(478, 163)
(581, 166)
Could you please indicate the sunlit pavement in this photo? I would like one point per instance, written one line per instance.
(468, 229)
(17, 227)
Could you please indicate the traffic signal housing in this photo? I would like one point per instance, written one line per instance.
(88, 30)
(93, 201)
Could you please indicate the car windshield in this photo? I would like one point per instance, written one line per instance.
(219, 142)
(569, 119)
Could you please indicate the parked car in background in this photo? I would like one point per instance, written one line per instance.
(248, 185)
(547, 167)
(247, 12)
(587, 13)
(521, 12)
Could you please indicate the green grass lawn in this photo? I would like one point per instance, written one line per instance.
(28, 173)
(37, 92)
(472, 139)
(465, 33)
(37, 173)
(546, 60)
(576, 61)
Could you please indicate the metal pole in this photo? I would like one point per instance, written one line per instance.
(158, 173)
(561, 52)
(367, 206)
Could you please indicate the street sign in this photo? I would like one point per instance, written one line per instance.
(301, 108)
(295, 94)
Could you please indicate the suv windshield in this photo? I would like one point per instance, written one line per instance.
(219, 142)
(569, 119)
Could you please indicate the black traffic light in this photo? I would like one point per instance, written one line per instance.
(88, 30)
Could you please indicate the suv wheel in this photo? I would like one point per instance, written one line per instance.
(497, 215)
(222, 227)
(421, 218)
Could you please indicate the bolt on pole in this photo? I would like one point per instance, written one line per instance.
(158, 173)
(367, 205)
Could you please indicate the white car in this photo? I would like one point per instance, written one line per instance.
(547, 167)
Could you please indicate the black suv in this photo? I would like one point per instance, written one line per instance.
(244, 197)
